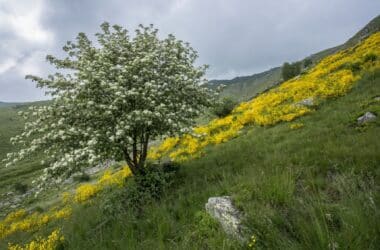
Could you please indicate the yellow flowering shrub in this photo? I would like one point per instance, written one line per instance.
(85, 191)
(66, 197)
(331, 77)
(14, 216)
(63, 213)
(31, 222)
(296, 125)
(49, 243)
(20, 220)
(117, 178)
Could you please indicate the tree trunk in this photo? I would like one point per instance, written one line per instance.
(136, 161)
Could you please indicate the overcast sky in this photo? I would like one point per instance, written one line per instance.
(235, 38)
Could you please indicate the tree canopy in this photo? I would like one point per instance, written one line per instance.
(109, 100)
(290, 70)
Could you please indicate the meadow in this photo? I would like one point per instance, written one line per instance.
(305, 177)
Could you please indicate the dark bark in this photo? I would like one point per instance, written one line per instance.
(136, 159)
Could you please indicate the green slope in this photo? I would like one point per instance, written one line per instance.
(7, 104)
(246, 87)
(25, 171)
(311, 188)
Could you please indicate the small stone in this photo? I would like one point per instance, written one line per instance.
(99, 167)
(223, 210)
(17, 199)
(367, 117)
(377, 99)
(306, 102)
(68, 181)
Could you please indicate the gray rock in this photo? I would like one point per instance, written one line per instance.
(367, 117)
(68, 181)
(377, 99)
(17, 199)
(99, 167)
(223, 210)
(306, 102)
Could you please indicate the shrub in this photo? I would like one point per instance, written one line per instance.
(83, 177)
(290, 70)
(307, 62)
(139, 190)
(38, 209)
(370, 57)
(224, 107)
(20, 187)
(296, 125)
(151, 183)
(355, 67)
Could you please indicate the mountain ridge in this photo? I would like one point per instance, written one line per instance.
(246, 87)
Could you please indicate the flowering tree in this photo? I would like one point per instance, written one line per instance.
(114, 98)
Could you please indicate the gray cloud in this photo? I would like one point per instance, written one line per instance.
(234, 37)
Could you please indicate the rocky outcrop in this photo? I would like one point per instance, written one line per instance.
(223, 210)
(367, 117)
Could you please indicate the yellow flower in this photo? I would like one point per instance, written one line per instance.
(66, 197)
(49, 243)
(62, 213)
(296, 125)
(333, 76)
(252, 242)
(14, 216)
(85, 192)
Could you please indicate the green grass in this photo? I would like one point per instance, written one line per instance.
(312, 188)
(24, 171)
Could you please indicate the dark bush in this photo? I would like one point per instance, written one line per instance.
(307, 62)
(139, 190)
(21, 187)
(290, 70)
(151, 183)
(83, 177)
(224, 107)
(354, 67)
(370, 57)
(38, 209)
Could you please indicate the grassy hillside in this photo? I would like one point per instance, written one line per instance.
(246, 87)
(310, 188)
(7, 104)
(309, 184)
(12, 124)
(25, 171)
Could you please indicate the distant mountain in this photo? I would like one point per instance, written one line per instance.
(8, 104)
(246, 87)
